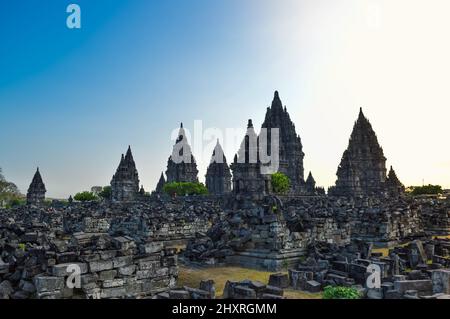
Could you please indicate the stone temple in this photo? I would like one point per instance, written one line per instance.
(218, 175)
(362, 170)
(36, 191)
(125, 183)
(394, 186)
(160, 186)
(247, 178)
(291, 150)
(181, 166)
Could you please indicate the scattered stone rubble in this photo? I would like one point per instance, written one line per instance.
(119, 250)
(277, 231)
(122, 249)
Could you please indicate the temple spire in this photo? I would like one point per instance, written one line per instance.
(218, 175)
(362, 170)
(36, 191)
(160, 185)
(125, 182)
(181, 165)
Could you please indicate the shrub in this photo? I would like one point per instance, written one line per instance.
(280, 183)
(184, 188)
(426, 190)
(106, 192)
(85, 197)
(331, 292)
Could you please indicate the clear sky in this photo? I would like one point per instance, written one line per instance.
(71, 101)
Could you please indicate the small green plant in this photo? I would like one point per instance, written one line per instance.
(426, 190)
(280, 183)
(85, 197)
(106, 192)
(22, 246)
(338, 292)
(184, 188)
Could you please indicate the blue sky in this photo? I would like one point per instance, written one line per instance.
(71, 101)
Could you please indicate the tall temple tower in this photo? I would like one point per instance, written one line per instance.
(362, 170)
(36, 191)
(181, 165)
(246, 167)
(290, 146)
(218, 175)
(125, 182)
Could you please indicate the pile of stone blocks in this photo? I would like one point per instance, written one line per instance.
(250, 289)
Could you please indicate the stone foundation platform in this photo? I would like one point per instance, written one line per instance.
(266, 260)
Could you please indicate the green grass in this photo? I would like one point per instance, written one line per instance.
(192, 277)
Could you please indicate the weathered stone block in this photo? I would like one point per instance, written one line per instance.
(113, 283)
(107, 274)
(179, 294)
(424, 287)
(122, 261)
(127, 270)
(441, 281)
(279, 280)
(241, 292)
(100, 265)
(112, 292)
(313, 286)
(61, 270)
(48, 284)
(153, 247)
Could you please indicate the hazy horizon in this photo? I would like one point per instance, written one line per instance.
(71, 101)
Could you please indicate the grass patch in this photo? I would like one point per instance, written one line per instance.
(192, 277)
(441, 237)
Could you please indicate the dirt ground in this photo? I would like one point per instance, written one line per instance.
(192, 277)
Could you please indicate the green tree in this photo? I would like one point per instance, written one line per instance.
(426, 190)
(184, 188)
(106, 192)
(331, 292)
(85, 197)
(280, 183)
(9, 193)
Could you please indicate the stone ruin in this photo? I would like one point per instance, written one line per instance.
(121, 250)
(123, 246)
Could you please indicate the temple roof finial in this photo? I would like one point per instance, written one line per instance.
(250, 124)
(276, 95)
(181, 125)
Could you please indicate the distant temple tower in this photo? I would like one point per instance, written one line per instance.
(218, 175)
(246, 167)
(290, 146)
(125, 183)
(36, 191)
(160, 186)
(310, 184)
(395, 187)
(181, 166)
(362, 170)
